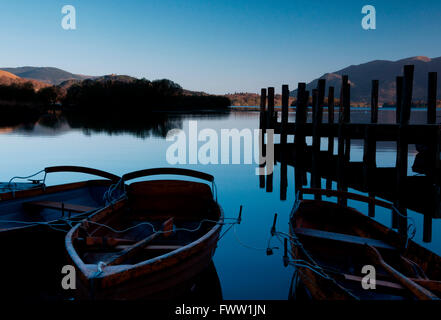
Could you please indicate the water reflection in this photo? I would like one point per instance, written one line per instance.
(27, 149)
(156, 124)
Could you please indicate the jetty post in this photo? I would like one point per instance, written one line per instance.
(343, 143)
(300, 138)
(434, 151)
(270, 112)
(270, 124)
(316, 121)
(301, 116)
(431, 98)
(262, 134)
(318, 98)
(331, 135)
(283, 142)
(370, 147)
(402, 149)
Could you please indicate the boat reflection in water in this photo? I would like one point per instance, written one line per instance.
(204, 287)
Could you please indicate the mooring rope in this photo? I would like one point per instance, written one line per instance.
(411, 228)
(299, 263)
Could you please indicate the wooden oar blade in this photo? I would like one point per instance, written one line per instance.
(419, 291)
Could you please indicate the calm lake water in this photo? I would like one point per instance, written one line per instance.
(244, 269)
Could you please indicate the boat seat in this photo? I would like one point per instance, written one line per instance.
(340, 237)
(68, 207)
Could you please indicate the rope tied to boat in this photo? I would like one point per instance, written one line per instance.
(28, 177)
(109, 197)
(299, 263)
(13, 186)
(411, 228)
(101, 266)
(294, 241)
(100, 269)
(199, 226)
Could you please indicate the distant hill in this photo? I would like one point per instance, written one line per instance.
(7, 78)
(8, 75)
(50, 75)
(361, 76)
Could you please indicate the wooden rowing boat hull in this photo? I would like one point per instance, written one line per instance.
(162, 270)
(347, 257)
(167, 283)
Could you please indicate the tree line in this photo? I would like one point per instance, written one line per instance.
(101, 97)
(25, 93)
(137, 96)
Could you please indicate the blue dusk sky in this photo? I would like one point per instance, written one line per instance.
(216, 46)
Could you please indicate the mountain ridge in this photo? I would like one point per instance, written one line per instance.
(361, 76)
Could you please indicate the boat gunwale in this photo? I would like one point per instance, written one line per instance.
(88, 275)
(20, 195)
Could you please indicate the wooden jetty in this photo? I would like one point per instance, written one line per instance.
(420, 193)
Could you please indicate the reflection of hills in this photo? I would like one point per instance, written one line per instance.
(142, 127)
(152, 124)
(6, 130)
(155, 124)
(37, 129)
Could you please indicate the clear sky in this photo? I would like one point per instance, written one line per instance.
(216, 46)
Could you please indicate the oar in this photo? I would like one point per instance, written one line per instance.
(420, 292)
(434, 285)
(426, 283)
(413, 267)
(135, 248)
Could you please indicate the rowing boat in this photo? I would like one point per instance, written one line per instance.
(34, 219)
(149, 243)
(333, 246)
(36, 207)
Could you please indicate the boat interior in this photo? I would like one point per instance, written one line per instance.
(336, 238)
(181, 211)
(53, 203)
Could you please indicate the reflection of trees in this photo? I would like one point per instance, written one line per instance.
(157, 124)
(12, 115)
(50, 120)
